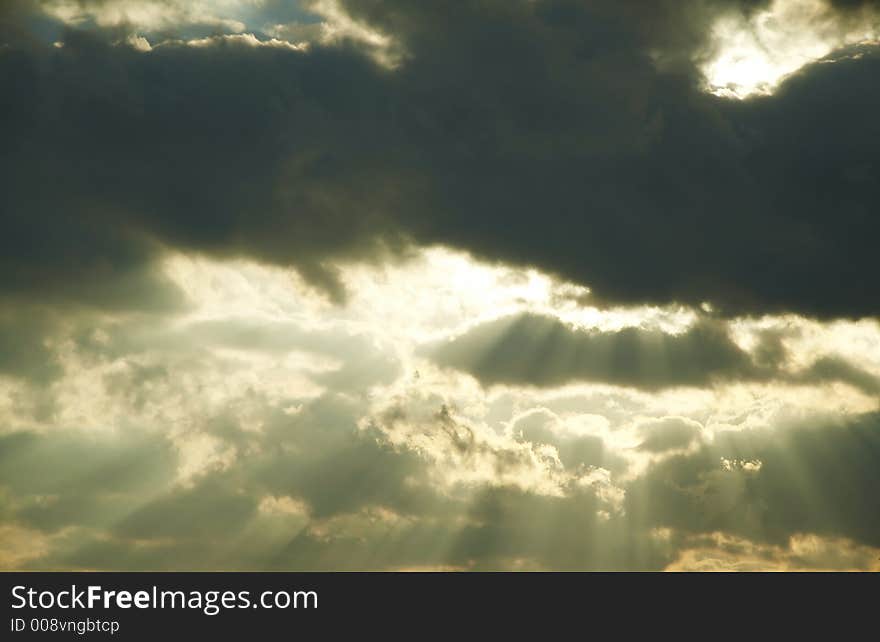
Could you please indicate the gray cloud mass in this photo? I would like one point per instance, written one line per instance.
(537, 133)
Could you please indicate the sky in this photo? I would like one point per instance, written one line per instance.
(472, 285)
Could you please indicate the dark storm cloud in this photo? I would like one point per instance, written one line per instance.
(557, 142)
(230, 149)
(573, 136)
(543, 351)
(854, 4)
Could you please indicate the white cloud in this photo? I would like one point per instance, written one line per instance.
(151, 15)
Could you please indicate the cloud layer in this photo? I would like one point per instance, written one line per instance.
(542, 351)
(389, 285)
(574, 136)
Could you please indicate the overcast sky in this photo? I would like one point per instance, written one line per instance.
(483, 284)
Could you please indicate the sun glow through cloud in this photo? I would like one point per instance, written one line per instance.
(753, 54)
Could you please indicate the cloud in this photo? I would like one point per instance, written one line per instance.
(158, 412)
(24, 352)
(542, 351)
(521, 122)
(670, 433)
(151, 15)
(541, 426)
(806, 478)
(183, 146)
(73, 478)
(419, 472)
(836, 369)
(332, 442)
(722, 553)
(752, 52)
(535, 350)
